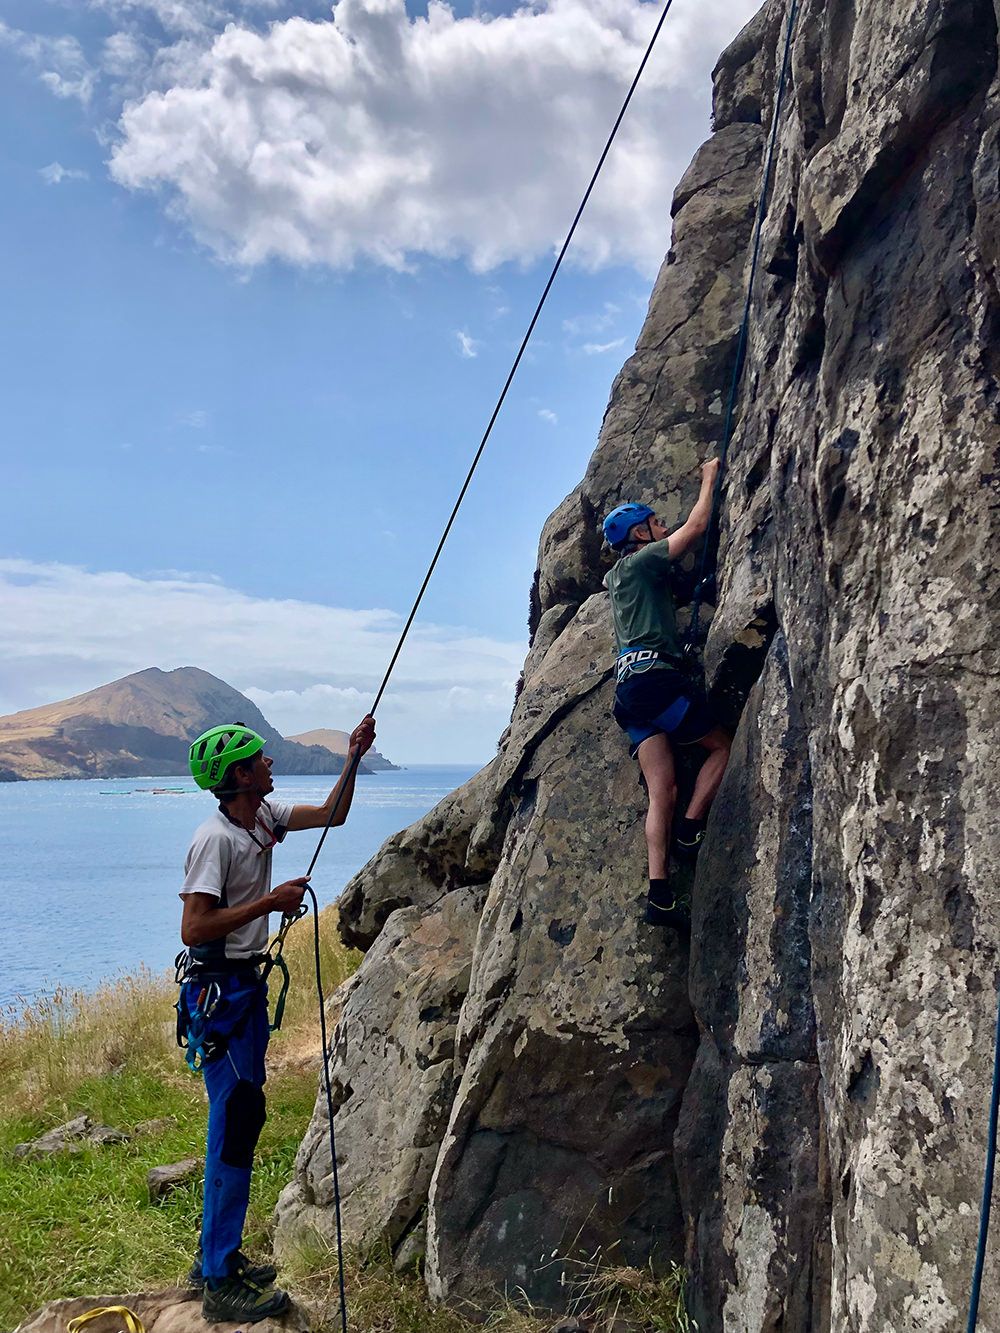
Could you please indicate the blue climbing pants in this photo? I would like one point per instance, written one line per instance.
(234, 1082)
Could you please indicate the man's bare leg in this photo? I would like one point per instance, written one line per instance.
(656, 759)
(710, 777)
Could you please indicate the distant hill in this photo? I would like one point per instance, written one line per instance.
(336, 742)
(140, 725)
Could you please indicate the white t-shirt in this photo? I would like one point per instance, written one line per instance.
(225, 861)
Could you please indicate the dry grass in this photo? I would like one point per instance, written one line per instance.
(52, 1047)
(47, 1051)
(379, 1300)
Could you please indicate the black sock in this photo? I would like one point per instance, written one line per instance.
(689, 829)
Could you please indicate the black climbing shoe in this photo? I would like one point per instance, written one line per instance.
(687, 842)
(665, 907)
(237, 1301)
(261, 1275)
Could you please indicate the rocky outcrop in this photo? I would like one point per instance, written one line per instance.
(395, 1030)
(801, 1115)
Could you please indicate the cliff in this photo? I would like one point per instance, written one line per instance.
(525, 1072)
(142, 724)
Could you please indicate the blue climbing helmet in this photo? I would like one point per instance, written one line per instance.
(622, 520)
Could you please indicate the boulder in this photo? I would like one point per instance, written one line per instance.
(72, 1137)
(392, 1072)
(576, 1037)
(803, 1115)
(161, 1181)
(420, 865)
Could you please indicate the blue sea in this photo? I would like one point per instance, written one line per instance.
(89, 870)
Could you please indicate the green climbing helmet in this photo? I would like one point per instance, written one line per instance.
(214, 750)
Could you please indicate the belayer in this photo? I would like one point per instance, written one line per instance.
(656, 701)
(223, 1007)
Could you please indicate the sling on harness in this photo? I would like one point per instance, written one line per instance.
(195, 1035)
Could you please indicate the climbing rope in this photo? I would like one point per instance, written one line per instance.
(129, 1318)
(741, 345)
(985, 1208)
(356, 758)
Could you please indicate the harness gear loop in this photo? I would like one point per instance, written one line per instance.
(704, 579)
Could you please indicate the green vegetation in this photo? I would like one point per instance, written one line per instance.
(81, 1223)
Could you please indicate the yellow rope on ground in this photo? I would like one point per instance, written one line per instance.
(132, 1321)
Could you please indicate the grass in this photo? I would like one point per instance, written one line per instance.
(82, 1224)
(606, 1299)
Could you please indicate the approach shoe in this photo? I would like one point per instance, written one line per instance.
(238, 1301)
(261, 1275)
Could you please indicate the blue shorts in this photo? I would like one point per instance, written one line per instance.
(662, 701)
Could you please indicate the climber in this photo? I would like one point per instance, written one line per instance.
(227, 898)
(656, 701)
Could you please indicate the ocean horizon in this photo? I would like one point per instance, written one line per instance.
(92, 866)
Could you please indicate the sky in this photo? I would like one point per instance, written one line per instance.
(268, 263)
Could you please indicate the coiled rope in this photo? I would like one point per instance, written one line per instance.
(741, 345)
(356, 759)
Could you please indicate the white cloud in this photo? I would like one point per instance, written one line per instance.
(598, 349)
(55, 173)
(175, 16)
(123, 55)
(68, 630)
(548, 415)
(593, 323)
(380, 137)
(468, 346)
(196, 420)
(60, 61)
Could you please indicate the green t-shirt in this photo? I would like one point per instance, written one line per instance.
(642, 606)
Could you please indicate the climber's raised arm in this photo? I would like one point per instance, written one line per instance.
(696, 524)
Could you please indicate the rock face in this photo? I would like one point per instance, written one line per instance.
(798, 1110)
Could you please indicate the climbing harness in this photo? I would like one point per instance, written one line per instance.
(633, 661)
(132, 1322)
(195, 1034)
(704, 579)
